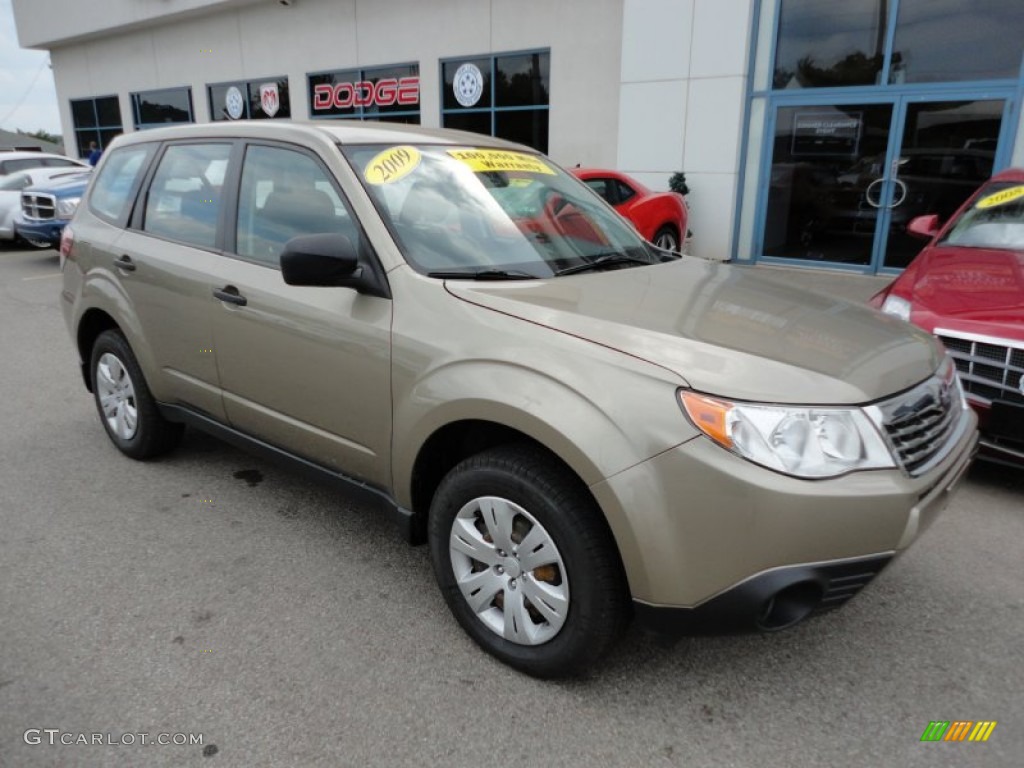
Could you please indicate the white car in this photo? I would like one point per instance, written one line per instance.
(12, 185)
(12, 162)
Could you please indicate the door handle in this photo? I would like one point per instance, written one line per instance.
(125, 262)
(231, 295)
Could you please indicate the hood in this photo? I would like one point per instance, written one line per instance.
(63, 188)
(726, 330)
(976, 284)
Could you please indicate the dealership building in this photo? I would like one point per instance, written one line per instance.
(810, 132)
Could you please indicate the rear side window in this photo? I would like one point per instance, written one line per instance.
(184, 198)
(283, 194)
(56, 162)
(112, 189)
(22, 165)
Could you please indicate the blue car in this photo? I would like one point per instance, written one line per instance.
(47, 208)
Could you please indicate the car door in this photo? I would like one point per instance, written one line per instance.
(305, 369)
(164, 261)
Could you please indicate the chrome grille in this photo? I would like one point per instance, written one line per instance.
(38, 206)
(924, 423)
(990, 368)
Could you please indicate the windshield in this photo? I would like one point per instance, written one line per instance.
(995, 220)
(491, 213)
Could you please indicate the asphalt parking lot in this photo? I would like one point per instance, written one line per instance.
(212, 593)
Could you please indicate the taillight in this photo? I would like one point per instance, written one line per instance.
(67, 240)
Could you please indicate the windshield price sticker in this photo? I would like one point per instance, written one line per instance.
(483, 160)
(391, 165)
(1001, 198)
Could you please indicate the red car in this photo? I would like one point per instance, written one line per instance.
(967, 287)
(659, 217)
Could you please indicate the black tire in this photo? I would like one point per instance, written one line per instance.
(668, 238)
(598, 607)
(153, 434)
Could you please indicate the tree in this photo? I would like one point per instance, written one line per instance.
(43, 136)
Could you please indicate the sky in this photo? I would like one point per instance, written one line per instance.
(24, 104)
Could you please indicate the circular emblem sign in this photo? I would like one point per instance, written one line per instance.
(234, 103)
(468, 85)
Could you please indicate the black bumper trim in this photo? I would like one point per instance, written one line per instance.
(822, 586)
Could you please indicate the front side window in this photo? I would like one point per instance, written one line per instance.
(507, 96)
(284, 194)
(112, 190)
(184, 199)
(995, 220)
(466, 211)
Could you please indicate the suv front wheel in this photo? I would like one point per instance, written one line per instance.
(127, 410)
(526, 563)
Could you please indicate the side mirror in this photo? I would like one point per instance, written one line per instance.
(925, 227)
(328, 260)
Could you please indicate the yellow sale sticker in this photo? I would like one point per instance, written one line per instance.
(1001, 197)
(482, 160)
(391, 165)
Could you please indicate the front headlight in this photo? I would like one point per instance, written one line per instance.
(897, 307)
(800, 441)
(66, 207)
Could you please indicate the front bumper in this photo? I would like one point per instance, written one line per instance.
(40, 231)
(709, 534)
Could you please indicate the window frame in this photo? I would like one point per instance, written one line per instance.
(96, 129)
(493, 109)
(248, 98)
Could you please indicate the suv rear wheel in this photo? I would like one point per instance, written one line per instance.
(127, 409)
(526, 563)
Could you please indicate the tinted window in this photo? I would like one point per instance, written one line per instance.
(469, 85)
(522, 80)
(184, 198)
(824, 44)
(284, 194)
(952, 41)
(21, 165)
(225, 104)
(112, 189)
(602, 188)
(53, 162)
(625, 191)
(170, 105)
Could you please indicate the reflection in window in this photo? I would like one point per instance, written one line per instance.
(252, 99)
(96, 120)
(830, 44)
(382, 93)
(112, 188)
(163, 107)
(951, 40)
(284, 194)
(184, 198)
(507, 96)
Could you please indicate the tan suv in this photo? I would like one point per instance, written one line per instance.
(584, 428)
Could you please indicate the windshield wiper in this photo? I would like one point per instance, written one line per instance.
(484, 274)
(613, 259)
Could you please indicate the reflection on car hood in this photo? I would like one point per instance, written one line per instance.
(978, 284)
(726, 330)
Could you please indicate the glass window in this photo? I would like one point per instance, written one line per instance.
(184, 198)
(507, 96)
(383, 93)
(954, 41)
(163, 107)
(830, 44)
(250, 99)
(625, 191)
(283, 194)
(996, 220)
(462, 210)
(23, 164)
(603, 187)
(522, 80)
(95, 120)
(53, 162)
(111, 193)
(15, 182)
